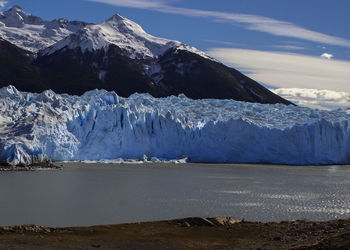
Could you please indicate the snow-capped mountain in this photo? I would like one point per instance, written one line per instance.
(33, 33)
(119, 31)
(125, 34)
(117, 55)
(101, 125)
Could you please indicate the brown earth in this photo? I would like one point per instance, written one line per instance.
(188, 233)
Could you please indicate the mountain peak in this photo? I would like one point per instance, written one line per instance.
(15, 9)
(119, 31)
(14, 17)
(32, 33)
(116, 17)
(124, 25)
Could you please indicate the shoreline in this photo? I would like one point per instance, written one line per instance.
(27, 169)
(30, 167)
(186, 233)
(50, 165)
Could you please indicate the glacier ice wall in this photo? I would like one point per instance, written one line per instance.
(101, 125)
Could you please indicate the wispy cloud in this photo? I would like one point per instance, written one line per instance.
(222, 42)
(286, 70)
(289, 47)
(251, 22)
(142, 4)
(2, 4)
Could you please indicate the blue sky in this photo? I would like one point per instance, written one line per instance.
(234, 30)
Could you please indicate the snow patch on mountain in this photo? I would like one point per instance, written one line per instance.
(195, 51)
(33, 33)
(100, 125)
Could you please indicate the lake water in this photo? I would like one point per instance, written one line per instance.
(90, 194)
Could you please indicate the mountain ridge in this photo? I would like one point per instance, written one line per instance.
(116, 55)
(124, 33)
(32, 33)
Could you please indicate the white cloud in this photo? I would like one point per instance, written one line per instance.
(327, 56)
(322, 99)
(2, 4)
(286, 70)
(252, 22)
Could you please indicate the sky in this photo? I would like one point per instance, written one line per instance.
(300, 49)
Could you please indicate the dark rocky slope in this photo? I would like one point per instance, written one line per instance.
(16, 68)
(74, 72)
(198, 77)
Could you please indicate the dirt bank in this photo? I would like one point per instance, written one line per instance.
(188, 233)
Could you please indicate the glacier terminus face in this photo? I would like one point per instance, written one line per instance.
(100, 125)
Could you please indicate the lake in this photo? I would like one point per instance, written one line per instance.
(91, 194)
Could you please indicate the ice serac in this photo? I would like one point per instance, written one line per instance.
(100, 125)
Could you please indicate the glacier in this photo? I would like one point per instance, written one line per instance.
(100, 125)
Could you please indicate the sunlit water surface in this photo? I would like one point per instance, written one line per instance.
(90, 194)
